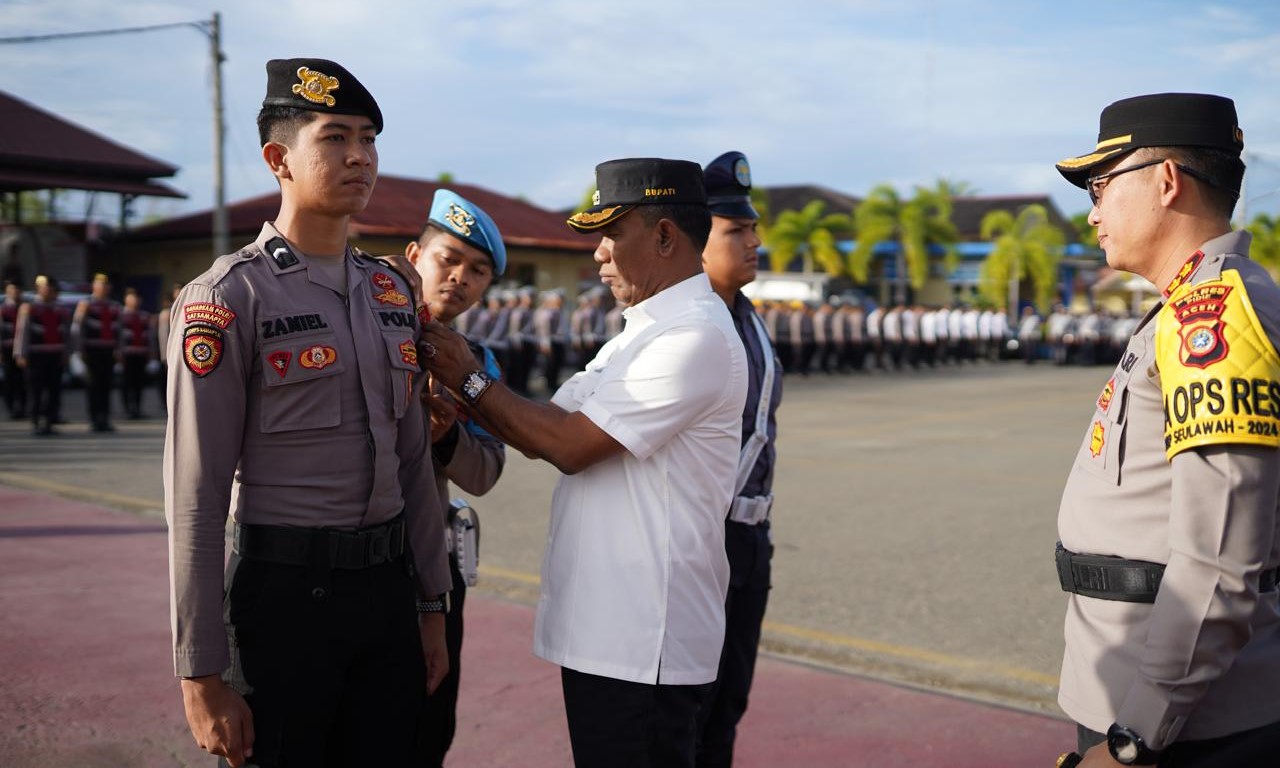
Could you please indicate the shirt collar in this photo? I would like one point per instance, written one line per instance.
(668, 302)
(1231, 242)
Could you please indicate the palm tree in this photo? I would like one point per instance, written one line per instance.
(914, 224)
(1026, 246)
(1266, 242)
(810, 231)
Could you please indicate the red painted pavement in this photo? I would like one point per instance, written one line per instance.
(85, 674)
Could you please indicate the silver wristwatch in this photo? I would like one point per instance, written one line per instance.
(474, 385)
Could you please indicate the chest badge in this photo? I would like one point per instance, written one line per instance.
(1097, 439)
(280, 362)
(385, 291)
(408, 352)
(317, 357)
(1109, 391)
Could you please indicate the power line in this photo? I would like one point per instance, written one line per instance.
(203, 26)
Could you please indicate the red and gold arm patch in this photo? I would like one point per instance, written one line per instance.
(202, 349)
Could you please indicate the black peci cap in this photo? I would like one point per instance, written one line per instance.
(728, 183)
(319, 85)
(1159, 120)
(621, 185)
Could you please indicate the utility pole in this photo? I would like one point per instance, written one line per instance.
(221, 228)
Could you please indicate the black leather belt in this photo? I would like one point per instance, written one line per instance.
(1114, 578)
(348, 550)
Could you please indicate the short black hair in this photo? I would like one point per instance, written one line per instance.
(1222, 172)
(693, 220)
(281, 124)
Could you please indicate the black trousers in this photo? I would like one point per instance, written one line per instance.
(439, 720)
(750, 568)
(133, 383)
(99, 361)
(620, 724)
(44, 387)
(1255, 747)
(15, 387)
(330, 662)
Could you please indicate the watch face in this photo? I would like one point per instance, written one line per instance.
(474, 385)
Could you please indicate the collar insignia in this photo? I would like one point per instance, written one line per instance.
(1184, 274)
(315, 87)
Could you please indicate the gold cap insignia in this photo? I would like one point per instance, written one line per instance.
(315, 86)
(459, 219)
(587, 219)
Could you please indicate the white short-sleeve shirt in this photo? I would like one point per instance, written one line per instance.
(635, 573)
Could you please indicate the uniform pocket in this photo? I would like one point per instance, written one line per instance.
(301, 386)
(403, 354)
(1102, 450)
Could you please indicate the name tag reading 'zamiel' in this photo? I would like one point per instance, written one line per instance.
(1219, 372)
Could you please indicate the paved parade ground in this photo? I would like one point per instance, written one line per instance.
(915, 617)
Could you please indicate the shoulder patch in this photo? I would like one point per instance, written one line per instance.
(1219, 372)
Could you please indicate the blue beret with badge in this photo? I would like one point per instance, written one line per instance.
(469, 223)
(319, 85)
(728, 182)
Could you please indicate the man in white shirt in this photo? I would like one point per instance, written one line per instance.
(635, 574)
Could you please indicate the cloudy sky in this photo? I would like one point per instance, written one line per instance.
(526, 97)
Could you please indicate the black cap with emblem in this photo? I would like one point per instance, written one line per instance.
(1159, 120)
(728, 183)
(319, 85)
(621, 185)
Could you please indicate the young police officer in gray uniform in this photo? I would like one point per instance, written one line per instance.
(458, 256)
(1168, 521)
(295, 407)
(730, 260)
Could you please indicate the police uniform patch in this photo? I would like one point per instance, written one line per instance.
(202, 349)
(1108, 391)
(384, 281)
(317, 357)
(207, 313)
(392, 297)
(279, 361)
(1219, 373)
(314, 86)
(1184, 274)
(409, 352)
(424, 314)
(1097, 439)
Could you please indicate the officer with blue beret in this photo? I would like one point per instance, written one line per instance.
(730, 261)
(458, 256)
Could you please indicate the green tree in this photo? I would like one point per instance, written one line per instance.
(1027, 246)
(1266, 242)
(445, 177)
(1087, 234)
(810, 232)
(914, 224)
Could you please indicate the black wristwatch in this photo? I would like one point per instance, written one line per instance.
(1128, 748)
(474, 385)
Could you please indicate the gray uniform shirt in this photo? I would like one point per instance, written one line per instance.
(1204, 659)
(292, 404)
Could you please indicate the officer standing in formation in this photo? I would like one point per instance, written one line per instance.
(1170, 537)
(95, 329)
(137, 350)
(730, 261)
(635, 572)
(294, 399)
(458, 256)
(15, 382)
(41, 346)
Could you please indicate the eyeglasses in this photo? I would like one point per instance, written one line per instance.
(1095, 185)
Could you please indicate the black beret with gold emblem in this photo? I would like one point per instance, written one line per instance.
(319, 85)
(621, 185)
(1159, 120)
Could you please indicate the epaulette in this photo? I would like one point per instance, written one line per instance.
(223, 265)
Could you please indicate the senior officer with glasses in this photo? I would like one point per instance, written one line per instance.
(730, 261)
(647, 438)
(295, 408)
(1168, 523)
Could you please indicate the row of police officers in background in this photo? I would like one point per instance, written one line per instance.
(111, 339)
